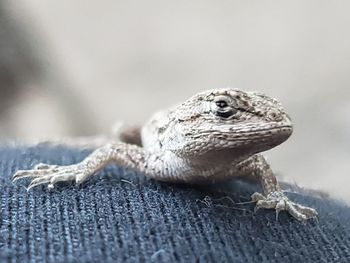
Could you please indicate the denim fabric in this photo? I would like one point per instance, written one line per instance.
(120, 216)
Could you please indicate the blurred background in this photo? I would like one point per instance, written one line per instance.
(75, 67)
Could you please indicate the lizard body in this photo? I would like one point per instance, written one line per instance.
(215, 135)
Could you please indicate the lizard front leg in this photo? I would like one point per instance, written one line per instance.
(126, 155)
(257, 168)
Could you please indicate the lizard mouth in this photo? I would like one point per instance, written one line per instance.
(264, 138)
(261, 131)
(269, 137)
(273, 130)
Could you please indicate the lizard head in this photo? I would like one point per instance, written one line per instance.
(249, 122)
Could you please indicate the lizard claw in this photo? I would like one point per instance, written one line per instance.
(51, 174)
(278, 201)
(38, 171)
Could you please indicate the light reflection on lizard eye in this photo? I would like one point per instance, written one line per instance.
(221, 103)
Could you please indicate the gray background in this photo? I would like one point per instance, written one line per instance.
(104, 61)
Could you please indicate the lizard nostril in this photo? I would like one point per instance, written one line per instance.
(274, 116)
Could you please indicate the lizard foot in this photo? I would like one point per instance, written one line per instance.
(51, 174)
(278, 201)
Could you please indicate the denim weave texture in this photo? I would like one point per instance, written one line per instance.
(121, 216)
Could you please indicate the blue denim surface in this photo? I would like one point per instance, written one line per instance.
(119, 216)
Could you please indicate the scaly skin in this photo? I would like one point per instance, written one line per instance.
(215, 135)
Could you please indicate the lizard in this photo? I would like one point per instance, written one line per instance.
(213, 136)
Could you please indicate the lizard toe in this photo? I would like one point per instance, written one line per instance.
(278, 201)
(44, 166)
(257, 196)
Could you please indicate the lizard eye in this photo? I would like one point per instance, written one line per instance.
(221, 103)
(224, 107)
